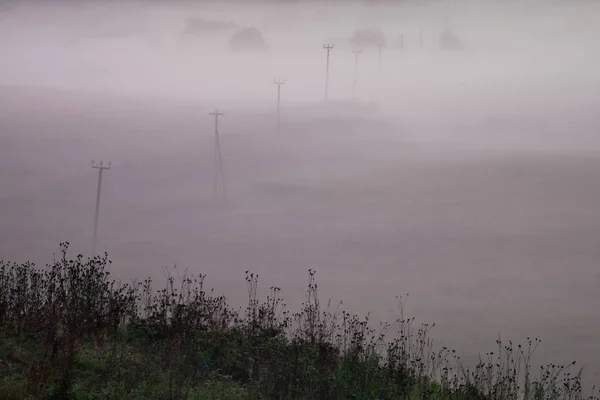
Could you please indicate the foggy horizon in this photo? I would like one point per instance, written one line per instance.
(465, 177)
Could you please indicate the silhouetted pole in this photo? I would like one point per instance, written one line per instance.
(327, 47)
(219, 175)
(100, 167)
(278, 82)
(356, 52)
(401, 43)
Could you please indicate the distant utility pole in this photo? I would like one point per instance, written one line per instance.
(356, 52)
(327, 47)
(278, 82)
(401, 43)
(219, 177)
(100, 167)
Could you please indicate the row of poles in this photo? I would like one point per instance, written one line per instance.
(220, 187)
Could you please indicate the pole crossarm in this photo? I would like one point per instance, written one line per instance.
(216, 113)
(100, 165)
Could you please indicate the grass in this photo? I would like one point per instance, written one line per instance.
(69, 331)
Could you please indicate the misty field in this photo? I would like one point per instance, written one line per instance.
(484, 240)
(467, 179)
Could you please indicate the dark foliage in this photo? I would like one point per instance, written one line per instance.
(70, 331)
(368, 38)
(248, 40)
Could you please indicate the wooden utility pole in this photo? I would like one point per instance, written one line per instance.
(356, 52)
(219, 176)
(278, 82)
(100, 167)
(327, 47)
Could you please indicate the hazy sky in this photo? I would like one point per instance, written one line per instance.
(518, 49)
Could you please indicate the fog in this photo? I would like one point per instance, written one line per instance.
(468, 179)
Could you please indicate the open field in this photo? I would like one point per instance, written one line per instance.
(484, 240)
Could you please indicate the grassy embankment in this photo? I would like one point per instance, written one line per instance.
(70, 331)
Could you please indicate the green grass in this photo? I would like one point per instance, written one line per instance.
(69, 332)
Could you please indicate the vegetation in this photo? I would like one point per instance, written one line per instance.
(69, 331)
(248, 39)
(368, 38)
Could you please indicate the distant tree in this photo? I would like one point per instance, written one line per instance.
(248, 39)
(368, 38)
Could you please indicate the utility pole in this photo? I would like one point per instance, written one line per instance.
(327, 47)
(100, 167)
(356, 52)
(278, 82)
(218, 173)
(401, 43)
